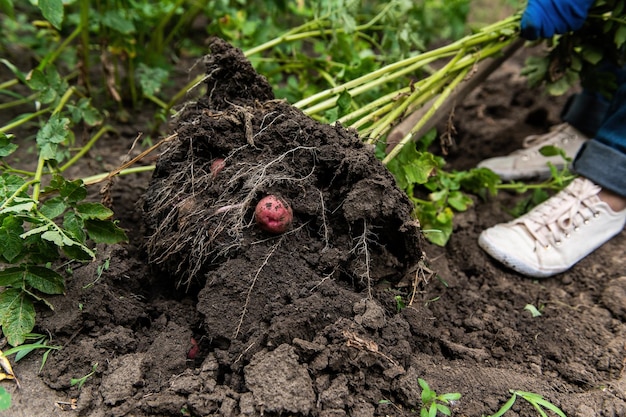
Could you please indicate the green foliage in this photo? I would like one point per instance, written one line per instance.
(419, 172)
(36, 232)
(575, 56)
(433, 404)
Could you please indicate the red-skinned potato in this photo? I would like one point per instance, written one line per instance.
(216, 166)
(273, 214)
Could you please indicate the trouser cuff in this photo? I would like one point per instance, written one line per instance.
(603, 165)
(585, 111)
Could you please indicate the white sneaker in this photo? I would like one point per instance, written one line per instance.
(528, 162)
(556, 234)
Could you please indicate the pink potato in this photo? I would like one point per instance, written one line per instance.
(273, 214)
(216, 166)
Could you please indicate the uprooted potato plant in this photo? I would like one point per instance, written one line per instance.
(342, 198)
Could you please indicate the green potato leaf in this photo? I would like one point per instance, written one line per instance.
(17, 315)
(44, 279)
(52, 11)
(104, 231)
(88, 211)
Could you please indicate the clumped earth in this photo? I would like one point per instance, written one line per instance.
(203, 313)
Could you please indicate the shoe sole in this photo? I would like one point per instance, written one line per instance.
(514, 263)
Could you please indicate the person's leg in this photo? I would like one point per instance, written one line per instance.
(603, 160)
(558, 233)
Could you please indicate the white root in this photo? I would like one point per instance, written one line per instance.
(361, 248)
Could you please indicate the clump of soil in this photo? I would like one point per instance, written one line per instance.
(352, 236)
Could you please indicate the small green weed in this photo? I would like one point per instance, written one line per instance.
(534, 311)
(537, 401)
(400, 304)
(432, 404)
(100, 269)
(81, 381)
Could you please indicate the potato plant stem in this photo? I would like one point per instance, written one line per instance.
(303, 32)
(420, 96)
(37, 180)
(427, 87)
(84, 41)
(64, 98)
(17, 192)
(17, 102)
(94, 179)
(392, 71)
(23, 120)
(8, 84)
(49, 59)
(442, 97)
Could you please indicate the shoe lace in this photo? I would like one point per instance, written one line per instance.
(566, 211)
(558, 134)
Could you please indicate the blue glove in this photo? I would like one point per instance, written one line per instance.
(545, 18)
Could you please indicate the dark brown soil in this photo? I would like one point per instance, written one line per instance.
(203, 313)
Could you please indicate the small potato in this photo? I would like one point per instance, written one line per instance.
(216, 166)
(273, 214)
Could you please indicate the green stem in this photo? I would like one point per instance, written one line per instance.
(64, 99)
(368, 111)
(9, 84)
(94, 179)
(49, 59)
(23, 120)
(406, 66)
(86, 148)
(66, 238)
(84, 40)
(297, 33)
(157, 34)
(419, 91)
(157, 101)
(37, 180)
(460, 76)
(185, 19)
(421, 96)
(131, 81)
(41, 161)
(7, 169)
(546, 185)
(18, 102)
(360, 86)
(182, 92)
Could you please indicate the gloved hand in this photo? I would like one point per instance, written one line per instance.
(545, 18)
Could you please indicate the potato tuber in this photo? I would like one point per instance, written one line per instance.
(273, 214)
(216, 166)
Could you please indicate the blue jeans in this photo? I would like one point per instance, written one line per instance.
(603, 158)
